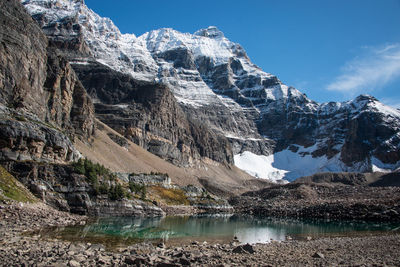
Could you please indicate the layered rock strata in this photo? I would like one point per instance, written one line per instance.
(220, 103)
(43, 105)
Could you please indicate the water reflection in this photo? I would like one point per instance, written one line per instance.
(208, 227)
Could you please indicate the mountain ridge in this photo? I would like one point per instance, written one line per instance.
(215, 84)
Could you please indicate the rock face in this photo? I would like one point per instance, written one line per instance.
(24, 73)
(43, 104)
(69, 106)
(61, 187)
(148, 114)
(220, 104)
(22, 138)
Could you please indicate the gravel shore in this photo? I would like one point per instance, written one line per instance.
(19, 249)
(333, 201)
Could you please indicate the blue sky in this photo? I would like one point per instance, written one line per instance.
(330, 50)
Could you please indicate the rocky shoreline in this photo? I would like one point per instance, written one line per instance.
(19, 249)
(333, 201)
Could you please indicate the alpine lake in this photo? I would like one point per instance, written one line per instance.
(177, 230)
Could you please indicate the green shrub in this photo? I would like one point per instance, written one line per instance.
(96, 190)
(112, 177)
(135, 187)
(92, 176)
(143, 193)
(92, 170)
(94, 173)
(116, 192)
(103, 189)
(79, 166)
(138, 189)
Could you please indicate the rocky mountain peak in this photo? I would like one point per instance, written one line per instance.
(364, 97)
(367, 103)
(49, 12)
(210, 32)
(218, 88)
(363, 100)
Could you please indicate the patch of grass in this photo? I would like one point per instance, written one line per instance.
(20, 118)
(170, 196)
(11, 188)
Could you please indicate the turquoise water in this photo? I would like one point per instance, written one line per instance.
(181, 229)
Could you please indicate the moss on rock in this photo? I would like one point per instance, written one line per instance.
(12, 189)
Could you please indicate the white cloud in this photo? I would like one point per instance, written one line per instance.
(373, 70)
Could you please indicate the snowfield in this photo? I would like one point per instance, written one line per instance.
(285, 164)
(288, 165)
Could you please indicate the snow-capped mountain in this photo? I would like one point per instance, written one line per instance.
(221, 103)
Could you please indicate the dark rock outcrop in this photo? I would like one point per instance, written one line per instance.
(388, 179)
(181, 58)
(25, 139)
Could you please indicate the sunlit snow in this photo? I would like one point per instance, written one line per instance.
(285, 164)
(289, 165)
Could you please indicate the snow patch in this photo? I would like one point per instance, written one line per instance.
(258, 166)
(123, 106)
(379, 166)
(388, 111)
(289, 165)
(79, 63)
(233, 136)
